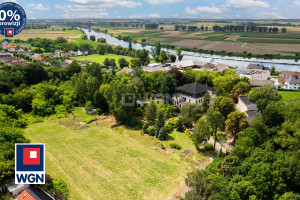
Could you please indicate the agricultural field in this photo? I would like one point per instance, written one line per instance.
(104, 160)
(47, 33)
(100, 58)
(256, 43)
(290, 95)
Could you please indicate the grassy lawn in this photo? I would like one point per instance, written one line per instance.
(79, 41)
(100, 58)
(100, 162)
(289, 95)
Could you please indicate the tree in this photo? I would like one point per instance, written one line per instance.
(172, 58)
(162, 134)
(92, 38)
(112, 63)
(158, 48)
(168, 86)
(241, 88)
(180, 56)
(216, 123)
(123, 62)
(228, 166)
(151, 111)
(179, 76)
(224, 105)
(264, 95)
(205, 103)
(201, 132)
(190, 113)
(159, 122)
(106, 62)
(272, 115)
(130, 46)
(35, 73)
(235, 123)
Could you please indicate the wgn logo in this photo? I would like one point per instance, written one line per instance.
(30, 164)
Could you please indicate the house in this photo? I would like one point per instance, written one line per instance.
(260, 83)
(39, 58)
(58, 52)
(291, 83)
(68, 54)
(258, 67)
(288, 74)
(246, 106)
(254, 74)
(54, 55)
(192, 93)
(153, 69)
(183, 65)
(5, 55)
(31, 193)
(126, 69)
(15, 189)
(221, 67)
(82, 52)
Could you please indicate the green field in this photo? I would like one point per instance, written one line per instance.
(100, 162)
(100, 58)
(290, 95)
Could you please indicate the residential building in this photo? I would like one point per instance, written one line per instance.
(82, 52)
(258, 67)
(92, 52)
(58, 52)
(291, 83)
(254, 74)
(5, 55)
(192, 93)
(288, 74)
(31, 193)
(53, 55)
(153, 69)
(260, 83)
(126, 69)
(15, 189)
(246, 106)
(182, 65)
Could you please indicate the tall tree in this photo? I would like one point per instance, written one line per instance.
(157, 48)
(151, 111)
(205, 103)
(216, 123)
(239, 89)
(224, 105)
(235, 123)
(168, 87)
(190, 113)
(201, 132)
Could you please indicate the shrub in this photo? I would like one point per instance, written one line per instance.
(208, 147)
(151, 130)
(179, 125)
(175, 146)
(61, 187)
(145, 127)
(187, 132)
(169, 128)
(90, 119)
(162, 135)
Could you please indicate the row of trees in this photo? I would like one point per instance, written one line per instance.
(233, 28)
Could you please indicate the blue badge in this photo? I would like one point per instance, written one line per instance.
(12, 19)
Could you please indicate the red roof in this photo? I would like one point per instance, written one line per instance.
(39, 58)
(290, 73)
(281, 79)
(25, 196)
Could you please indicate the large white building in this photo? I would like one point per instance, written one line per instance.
(288, 80)
(246, 106)
(191, 93)
(254, 74)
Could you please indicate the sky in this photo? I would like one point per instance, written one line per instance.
(200, 9)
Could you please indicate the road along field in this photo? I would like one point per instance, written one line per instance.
(103, 160)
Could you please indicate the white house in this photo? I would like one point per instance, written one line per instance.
(288, 80)
(254, 74)
(192, 93)
(291, 83)
(289, 74)
(248, 107)
(82, 52)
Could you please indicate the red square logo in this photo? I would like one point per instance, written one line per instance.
(9, 32)
(31, 156)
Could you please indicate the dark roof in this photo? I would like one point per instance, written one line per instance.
(83, 50)
(257, 66)
(293, 80)
(38, 194)
(245, 99)
(53, 54)
(259, 83)
(194, 89)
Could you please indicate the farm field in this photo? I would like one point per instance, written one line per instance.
(100, 58)
(47, 33)
(256, 43)
(289, 95)
(103, 160)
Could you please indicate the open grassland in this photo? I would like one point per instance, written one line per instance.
(100, 58)
(290, 95)
(104, 160)
(47, 33)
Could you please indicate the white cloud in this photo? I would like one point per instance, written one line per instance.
(200, 10)
(246, 4)
(156, 2)
(37, 7)
(109, 3)
(269, 15)
(15, 1)
(154, 15)
(297, 3)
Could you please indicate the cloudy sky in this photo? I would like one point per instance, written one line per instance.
(218, 9)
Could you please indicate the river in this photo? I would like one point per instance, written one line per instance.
(238, 62)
